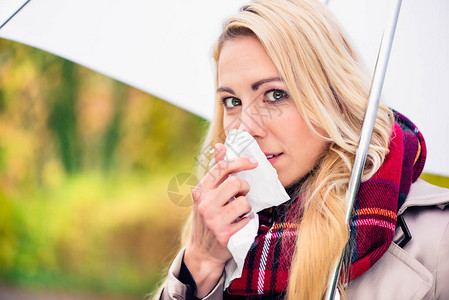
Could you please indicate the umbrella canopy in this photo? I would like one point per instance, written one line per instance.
(161, 47)
(418, 69)
(164, 49)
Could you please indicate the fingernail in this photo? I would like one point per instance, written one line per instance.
(253, 160)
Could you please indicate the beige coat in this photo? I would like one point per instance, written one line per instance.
(421, 269)
(418, 271)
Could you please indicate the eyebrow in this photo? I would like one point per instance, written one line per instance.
(255, 86)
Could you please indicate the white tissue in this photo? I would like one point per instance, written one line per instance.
(265, 191)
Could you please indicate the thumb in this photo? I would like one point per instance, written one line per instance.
(220, 152)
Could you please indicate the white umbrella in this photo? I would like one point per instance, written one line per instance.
(418, 70)
(164, 47)
(160, 47)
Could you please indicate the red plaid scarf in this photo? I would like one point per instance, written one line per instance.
(373, 223)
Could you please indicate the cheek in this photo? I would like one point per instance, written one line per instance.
(231, 121)
(227, 123)
(293, 129)
(303, 144)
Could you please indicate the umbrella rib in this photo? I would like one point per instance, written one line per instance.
(12, 16)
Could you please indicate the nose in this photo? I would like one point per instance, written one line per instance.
(253, 120)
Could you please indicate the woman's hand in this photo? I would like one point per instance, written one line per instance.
(214, 218)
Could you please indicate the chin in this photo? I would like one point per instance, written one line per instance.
(286, 183)
(292, 183)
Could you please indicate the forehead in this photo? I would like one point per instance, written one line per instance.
(244, 56)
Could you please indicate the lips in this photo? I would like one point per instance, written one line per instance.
(273, 157)
(270, 155)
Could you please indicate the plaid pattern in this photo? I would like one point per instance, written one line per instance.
(372, 226)
(270, 255)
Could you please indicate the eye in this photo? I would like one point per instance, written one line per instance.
(231, 102)
(275, 95)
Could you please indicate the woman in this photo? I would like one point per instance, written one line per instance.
(292, 57)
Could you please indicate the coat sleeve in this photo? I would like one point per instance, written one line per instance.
(442, 272)
(173, 288)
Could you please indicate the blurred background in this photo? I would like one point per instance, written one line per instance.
(85, 162)
(85, 166)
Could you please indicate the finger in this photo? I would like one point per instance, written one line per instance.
(233, 186)
(225, 227)
(236, 209)
(221, 170)
(236, 226)
(218, 215)
(220, 152)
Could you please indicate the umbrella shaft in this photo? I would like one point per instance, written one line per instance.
(367, 128)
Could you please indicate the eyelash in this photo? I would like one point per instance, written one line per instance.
(225, 99)
(285, 96)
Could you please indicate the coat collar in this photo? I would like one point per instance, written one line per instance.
(424, 194)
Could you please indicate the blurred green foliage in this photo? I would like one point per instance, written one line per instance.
(84, 166)
(439, 180)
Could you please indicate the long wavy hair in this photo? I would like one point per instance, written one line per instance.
(330, 87)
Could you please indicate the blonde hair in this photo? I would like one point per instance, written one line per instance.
(330, 87)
